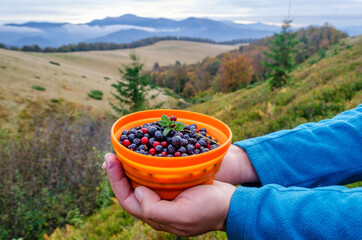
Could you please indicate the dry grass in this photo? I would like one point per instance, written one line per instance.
(80, 72)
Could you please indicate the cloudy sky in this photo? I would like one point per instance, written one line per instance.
(305, 12)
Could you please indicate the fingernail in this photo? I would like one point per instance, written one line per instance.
(104, 166)
(107, 155)
(138, 193)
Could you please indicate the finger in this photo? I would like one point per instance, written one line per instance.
(121, 187)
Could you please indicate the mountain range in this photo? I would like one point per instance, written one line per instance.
(128, 28)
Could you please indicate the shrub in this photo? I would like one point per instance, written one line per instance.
(39, 88)
(51, 176)
(96, 94)
(54, 63)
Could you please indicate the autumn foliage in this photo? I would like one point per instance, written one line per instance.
(236, 72)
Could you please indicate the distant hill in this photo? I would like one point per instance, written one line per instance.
(127, 28)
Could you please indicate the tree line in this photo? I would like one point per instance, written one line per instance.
(82, 46)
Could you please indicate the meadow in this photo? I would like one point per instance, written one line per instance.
(53, 186)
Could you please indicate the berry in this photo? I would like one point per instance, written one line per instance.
(158, 148)
(156, 143)
(139, 134)
(144, 130)
(173, 118)
(136, 141)
(144, 140)
(126, 142)
(184, 155)
(184, 142)
(131, 137)
(164, 154)
(197, 145)
(132, 147)
(176, 141)
(164, 144)
(123, 137)
(177, 154)
(171, 149)
(152, 130)
(152, 151)
(160, 155)
(132, 131)
(213, 146)
(125, 132)
(190, 149)
(158, 135)
(182, 150)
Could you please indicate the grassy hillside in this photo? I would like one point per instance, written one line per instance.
(320, 88)
(71, 76)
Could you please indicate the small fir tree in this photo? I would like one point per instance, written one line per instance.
(131, 92)
(281, 54)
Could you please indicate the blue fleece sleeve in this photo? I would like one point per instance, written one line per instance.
(276, 212)
(312, 154)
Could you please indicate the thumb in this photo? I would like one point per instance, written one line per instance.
(148, 200)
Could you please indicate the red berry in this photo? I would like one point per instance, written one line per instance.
(156, 143)
(126, 142)
(164, 144)
(197, 130)
(173, 118)
(144, 140)
(164, 154)
(144, 130)
(177, 154)
(152, 151)
(197, 145)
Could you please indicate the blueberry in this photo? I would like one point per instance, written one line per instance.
(142, 152)
(123, 137)
(169, 155)
(146, 125)
(142, 147)
(203, 130)
(164, 150)
(193, 125)
(158, 148)
(184, 155)
(171, 149)
(151, 141)
(151, 131)
(202, 143)
(187, 127)
(168, 139)
(204, 150)
(132, 147)
(139, 134)
(136, 141)
(187, 136)
(176, 141)
(214, 141)
(184, 142)
(214, 146)
(192, 141)
(132, 131)
(160, 155)
(131, 137)
(154, 123)
(125, 132)
(203, 133)
(197, 151)
(146, 135)
(182, 150)
(171, 133)
(158, 135)
(190, 149)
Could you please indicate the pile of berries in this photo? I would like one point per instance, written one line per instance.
(168, 138)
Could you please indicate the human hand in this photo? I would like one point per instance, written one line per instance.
(236, 168)
(195, 211)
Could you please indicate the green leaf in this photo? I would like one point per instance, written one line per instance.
(179, 126)
(166, 131)
(162, 123)
(166, 119)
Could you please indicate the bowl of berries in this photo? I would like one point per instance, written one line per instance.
(170, 150)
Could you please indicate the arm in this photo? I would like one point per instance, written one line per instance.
(312, 154)
(276, 212)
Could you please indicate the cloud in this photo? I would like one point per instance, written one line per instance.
(17, 29)
(103, 30)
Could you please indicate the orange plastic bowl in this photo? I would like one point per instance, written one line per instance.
(168, 176)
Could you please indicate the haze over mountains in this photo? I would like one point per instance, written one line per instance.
(128, 28)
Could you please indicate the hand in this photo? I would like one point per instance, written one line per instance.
(195, 211)
(236, 168)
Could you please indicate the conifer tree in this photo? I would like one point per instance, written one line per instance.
(281, 55)
(131, 92)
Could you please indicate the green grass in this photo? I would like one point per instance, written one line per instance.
(316, 91)
(115, 223)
